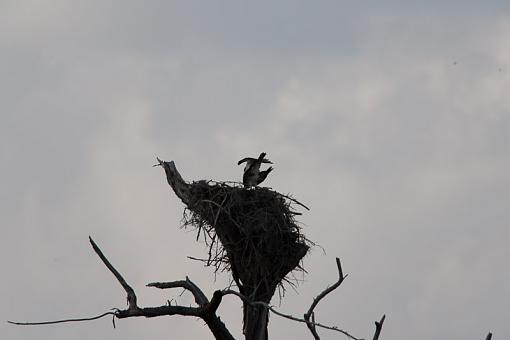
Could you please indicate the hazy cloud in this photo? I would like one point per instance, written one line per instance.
(390, 120)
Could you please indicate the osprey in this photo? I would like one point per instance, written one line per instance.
(252, 175)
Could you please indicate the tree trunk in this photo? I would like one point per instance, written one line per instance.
(256, 322)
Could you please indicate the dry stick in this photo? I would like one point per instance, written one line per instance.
(287, 316)
(187, 284)
(294, 200)
(319, 297)
(220, 207)
(131, 296)
(60, 321)
(378, 327)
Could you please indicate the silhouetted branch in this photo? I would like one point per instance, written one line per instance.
(310, 314)
(378, 327)
(206, 310)
(295, 201)
(187, 284)
(489, 336)
(60, 321)
(131, 296)
(287, 316)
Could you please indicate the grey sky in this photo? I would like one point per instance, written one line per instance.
(392, 122)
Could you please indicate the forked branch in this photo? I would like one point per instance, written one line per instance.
(287, 316)
(206, 310)
(310, 313)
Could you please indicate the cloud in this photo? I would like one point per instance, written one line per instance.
(391, 122)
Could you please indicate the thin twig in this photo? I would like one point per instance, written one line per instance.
(60, 321)
(287, 316)
(294, 200)
(319, 297)
(226, 212)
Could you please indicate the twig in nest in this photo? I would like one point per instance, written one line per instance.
(294, 200)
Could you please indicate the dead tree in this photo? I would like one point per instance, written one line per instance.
(250, 232)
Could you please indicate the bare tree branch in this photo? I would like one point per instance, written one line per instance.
(489, 336)
(209, 308)
(187, 284)
(60, 321)
(131, 296)
(206, 310)
(315, 302)
(287, 316)
(378, 327)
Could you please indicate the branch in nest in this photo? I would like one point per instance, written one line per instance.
(294, 200)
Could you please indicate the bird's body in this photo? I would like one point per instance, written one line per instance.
(252, 175)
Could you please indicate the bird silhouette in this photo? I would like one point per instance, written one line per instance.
(252, 175)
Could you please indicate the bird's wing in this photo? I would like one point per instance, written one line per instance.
(246, 159)
(263, 174)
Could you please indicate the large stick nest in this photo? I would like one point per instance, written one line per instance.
(250, 232)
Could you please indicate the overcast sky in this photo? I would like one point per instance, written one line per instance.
(391, 121)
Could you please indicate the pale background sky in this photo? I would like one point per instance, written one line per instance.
(391, 121)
